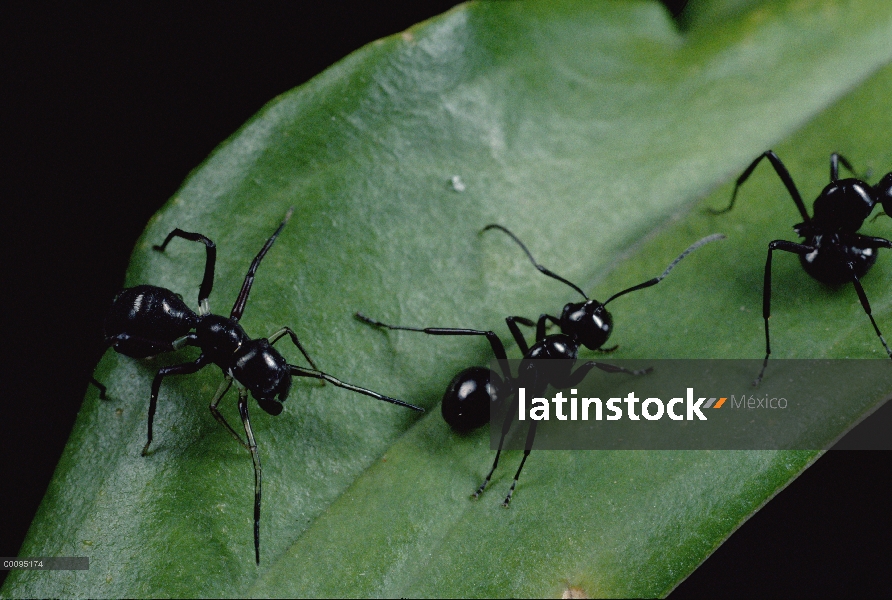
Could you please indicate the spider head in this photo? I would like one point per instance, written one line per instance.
(588, 323)
(265, 372)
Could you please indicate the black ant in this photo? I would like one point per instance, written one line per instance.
(146, 320)
(833, 252)
(472, 392)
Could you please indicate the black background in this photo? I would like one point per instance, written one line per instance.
(106, 110)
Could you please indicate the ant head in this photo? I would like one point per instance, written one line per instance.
(843, 206)
(587, 322)
(883, 193)
(265, 372)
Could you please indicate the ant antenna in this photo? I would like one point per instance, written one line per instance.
(710, 238)
(542, 269)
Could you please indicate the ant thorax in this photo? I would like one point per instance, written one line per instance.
(843, 206)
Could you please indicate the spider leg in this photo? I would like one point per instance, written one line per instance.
(181, 369)
(207, 282)
(258, 472)
(238, 308)
(287, 330)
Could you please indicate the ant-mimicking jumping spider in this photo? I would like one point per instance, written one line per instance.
(147, 320)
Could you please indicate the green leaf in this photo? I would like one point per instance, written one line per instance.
(597, 131)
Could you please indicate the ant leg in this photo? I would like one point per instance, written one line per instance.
(277, 335)
(239, 307)
(540, 325)
(531, 435)
(541, 269)
(515, 331)
(766, 292)
(873, 242)
(497, 348)
(701, 242)
(258, 474)
(579, 374)
(207, 282)
(784, 175)
(506, 426)
(866, 306)
(221, 391)
(316, 374)
(182, 369)
(837, 158)
(575, 378)
(102, 389)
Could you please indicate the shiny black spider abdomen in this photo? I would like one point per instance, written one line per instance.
(145, 320)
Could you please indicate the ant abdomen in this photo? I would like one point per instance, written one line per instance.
(823, 265)
(470, 397)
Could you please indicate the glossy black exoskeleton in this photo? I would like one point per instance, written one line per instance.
(474, 391)
(147, 320)
(833, 252)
